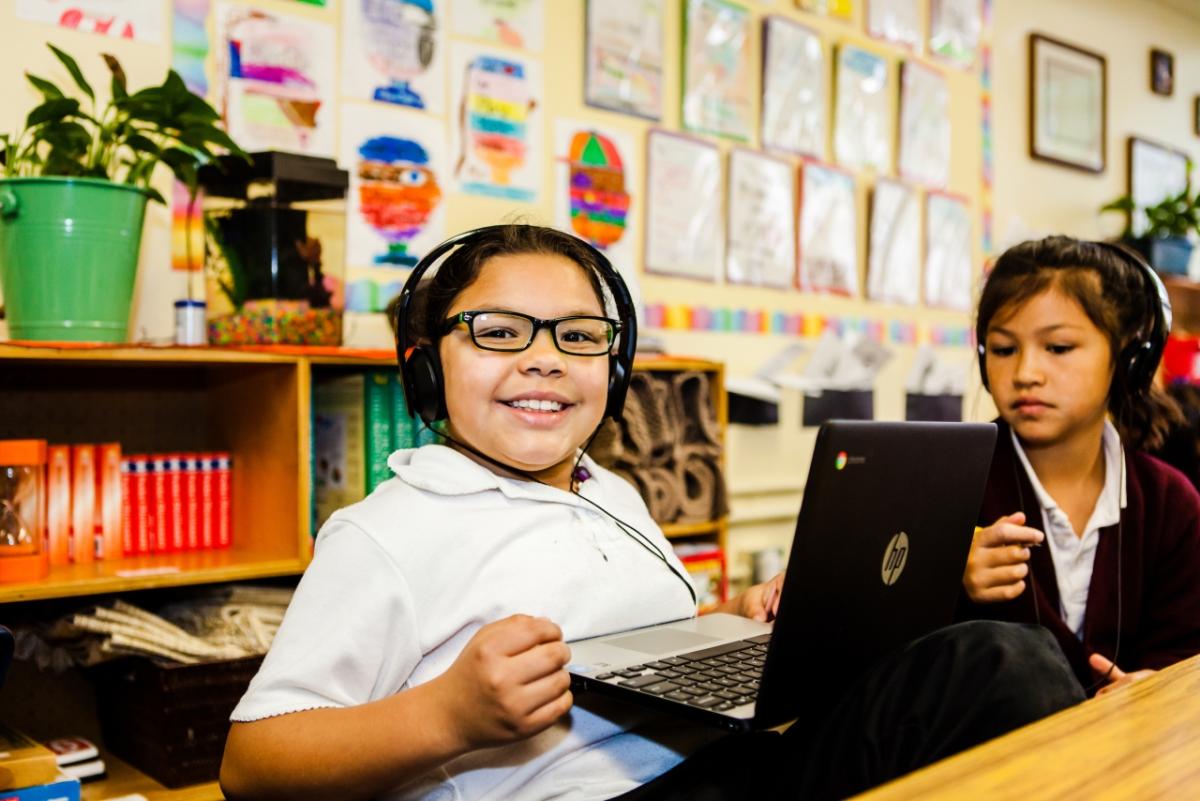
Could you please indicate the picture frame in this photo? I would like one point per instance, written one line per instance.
(1162, 72)
(1068, 105)
(623, 69)
(1154, 173)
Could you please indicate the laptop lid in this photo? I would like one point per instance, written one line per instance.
(885, 526)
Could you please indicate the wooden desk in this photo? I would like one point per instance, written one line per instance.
(1142, 742)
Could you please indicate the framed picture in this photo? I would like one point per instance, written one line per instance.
(954, 28)
(1067, 104)
(624, 70)
(1155, 173)
(794, 116)
(684, 230)
(1162, 72)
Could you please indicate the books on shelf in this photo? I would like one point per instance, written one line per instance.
(23, 762)
(705, 563)
(358, 421)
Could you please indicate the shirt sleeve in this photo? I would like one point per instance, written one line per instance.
(349, 635)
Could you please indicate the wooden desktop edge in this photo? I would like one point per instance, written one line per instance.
(1141, 742)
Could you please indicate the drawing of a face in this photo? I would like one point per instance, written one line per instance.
(599, 202)
(397, 193)
(400, 44)
(496, 107)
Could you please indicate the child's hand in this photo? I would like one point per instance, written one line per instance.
(996, 567)
(508, 683)
(760, 602)
(1117, 678)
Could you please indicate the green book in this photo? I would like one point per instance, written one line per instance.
(403, 425)
(377, 426)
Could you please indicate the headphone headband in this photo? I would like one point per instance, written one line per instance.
(420, 367)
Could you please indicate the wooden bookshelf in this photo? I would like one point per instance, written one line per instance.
(123, 779)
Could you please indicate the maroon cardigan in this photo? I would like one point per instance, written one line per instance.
(1159, 567)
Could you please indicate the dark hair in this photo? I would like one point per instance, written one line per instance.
(1118, 304)
(438, 289)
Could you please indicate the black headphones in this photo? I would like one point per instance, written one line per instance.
(421, 369)
(1139, 359)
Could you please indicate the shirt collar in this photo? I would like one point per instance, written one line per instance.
(1113, 495)
(445, 471)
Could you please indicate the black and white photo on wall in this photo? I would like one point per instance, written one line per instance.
(1162, 72)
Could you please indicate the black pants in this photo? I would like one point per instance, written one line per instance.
(943, 693)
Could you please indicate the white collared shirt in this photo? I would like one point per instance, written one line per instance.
(1074, 556)
(403, 579)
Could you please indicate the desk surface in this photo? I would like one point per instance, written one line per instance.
(1142, 742)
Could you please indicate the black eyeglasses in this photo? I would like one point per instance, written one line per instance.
(507, 331)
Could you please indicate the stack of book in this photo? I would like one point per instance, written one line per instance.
(358, 421)
(29, 771)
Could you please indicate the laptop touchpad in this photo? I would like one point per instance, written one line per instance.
(662, 640)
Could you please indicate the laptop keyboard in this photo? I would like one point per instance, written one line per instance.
(718, 678)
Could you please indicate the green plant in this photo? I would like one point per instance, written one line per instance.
(1176, 215)
(123, 141)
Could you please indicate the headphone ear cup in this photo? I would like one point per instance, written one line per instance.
(617, 384)
(429, 401)
(1139, 362)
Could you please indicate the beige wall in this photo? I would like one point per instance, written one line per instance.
(766, 466)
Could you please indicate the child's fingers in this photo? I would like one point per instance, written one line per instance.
(1103, 666)
(538, 661)
(1001, 592)
(536, 694)
(544, 716)
(521, 632)
(1002, 533)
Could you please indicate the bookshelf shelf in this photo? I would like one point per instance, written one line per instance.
(123, 779)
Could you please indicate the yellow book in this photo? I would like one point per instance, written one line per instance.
(24, 762)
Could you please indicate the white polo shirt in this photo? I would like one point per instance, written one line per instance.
(1075, 556)
(400, 582)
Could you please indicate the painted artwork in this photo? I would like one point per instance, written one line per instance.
(684, 226)
(862, 134)
(395, 211)
(794, 118)
(949, 275)
(596, 174)
(497, 144)
(276, 75)
(137, 20)
(625, 56)
(717, 79)
(398, 53)
(828, 249)
(189, 50)
(835, 8)
(762, 220)
(513, 23)
(924, 126)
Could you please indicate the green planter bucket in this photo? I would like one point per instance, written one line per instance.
(68, 257)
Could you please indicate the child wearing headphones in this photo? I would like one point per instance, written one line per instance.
(422, 655)
(1081, 531)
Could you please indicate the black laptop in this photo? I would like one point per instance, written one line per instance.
(877, 560)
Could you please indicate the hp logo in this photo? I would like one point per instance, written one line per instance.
(895, 557)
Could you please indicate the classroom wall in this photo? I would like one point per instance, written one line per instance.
(766, 466)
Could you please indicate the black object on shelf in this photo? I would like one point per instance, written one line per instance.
(293, 176)
(170, 721)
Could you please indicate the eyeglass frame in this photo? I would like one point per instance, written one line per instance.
(466, 317)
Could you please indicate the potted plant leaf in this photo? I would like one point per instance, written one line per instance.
(1164, 241)
(73, 191)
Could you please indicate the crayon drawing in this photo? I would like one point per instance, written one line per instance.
(397, 57)
(513, 23)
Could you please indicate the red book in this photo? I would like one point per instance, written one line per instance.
(108, 501)
(191, 501)
(128, 543)
(83, 503)
(176, 528)
(224, 519)
(140, 506)
(208, 475)
(159, 539)
(58, 504)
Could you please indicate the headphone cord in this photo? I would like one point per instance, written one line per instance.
(1120, 551)
(630, 531)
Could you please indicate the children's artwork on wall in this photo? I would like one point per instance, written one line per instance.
(896, 21)
(625, 56)
(275, 76)
(948, 273)
(596, 176)
(393, 52)
(828, 249)
(835, 8)
(513, 23)
(862, 133)
(396, 161)
(497, 145)
(189, 50)
(717, 79)
(894, 249)
(954, 29)
(924, 126)
(123, 19)
(793, 103)
(683, 207)
(762, 220)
